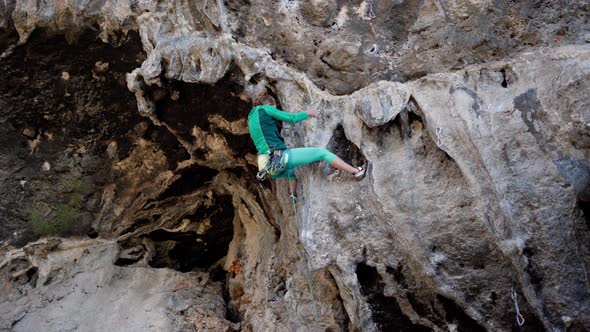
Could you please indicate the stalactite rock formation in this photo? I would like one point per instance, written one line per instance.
(472, 115)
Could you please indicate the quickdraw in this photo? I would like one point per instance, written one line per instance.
(439, 141)
(274, 166)
(519, 318)
(371, 13)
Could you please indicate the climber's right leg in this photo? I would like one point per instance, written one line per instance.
(342, 165)
(303, 156)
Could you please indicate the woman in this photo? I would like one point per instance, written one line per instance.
(273, 156)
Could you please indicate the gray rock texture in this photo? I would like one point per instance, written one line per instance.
(473, 115)
(56, 285)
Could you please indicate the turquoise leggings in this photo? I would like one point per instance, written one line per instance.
(303, 156)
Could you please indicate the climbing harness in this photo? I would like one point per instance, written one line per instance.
(519, 318)
(439, 141)
(275, 165)
(304, 258)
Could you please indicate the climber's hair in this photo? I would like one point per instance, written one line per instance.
(264, 100)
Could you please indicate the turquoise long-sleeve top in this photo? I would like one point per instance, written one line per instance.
(263, 127)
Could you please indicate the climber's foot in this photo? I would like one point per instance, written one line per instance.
(362, 171)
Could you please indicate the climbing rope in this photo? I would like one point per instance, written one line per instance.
(519, 318)
(302, 254)
(304, 257)
(411, 153)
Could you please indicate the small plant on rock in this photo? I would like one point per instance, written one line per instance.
(66, 214)
(40, 226)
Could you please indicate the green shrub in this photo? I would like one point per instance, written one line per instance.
(40, 226)
(66, 214)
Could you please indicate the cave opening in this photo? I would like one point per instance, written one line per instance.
(345, 149)
(404, 125)
(215, 109)
(385, 310)
(183, 105)
(169, 144)
(31, 276)
(410, 119)
(504, 81)
(189, 250)
(453, 313)
(92, 233)
(190, 179)
(232, 312)
(398, 275)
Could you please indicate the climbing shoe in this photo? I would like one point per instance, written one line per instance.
(362, 171)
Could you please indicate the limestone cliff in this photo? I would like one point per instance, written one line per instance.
(124, 145)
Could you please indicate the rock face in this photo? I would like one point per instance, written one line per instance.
(472, 114)
(93, 294)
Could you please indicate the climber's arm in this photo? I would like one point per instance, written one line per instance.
(287, 117)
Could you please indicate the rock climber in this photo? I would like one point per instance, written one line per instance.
(274, 158)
